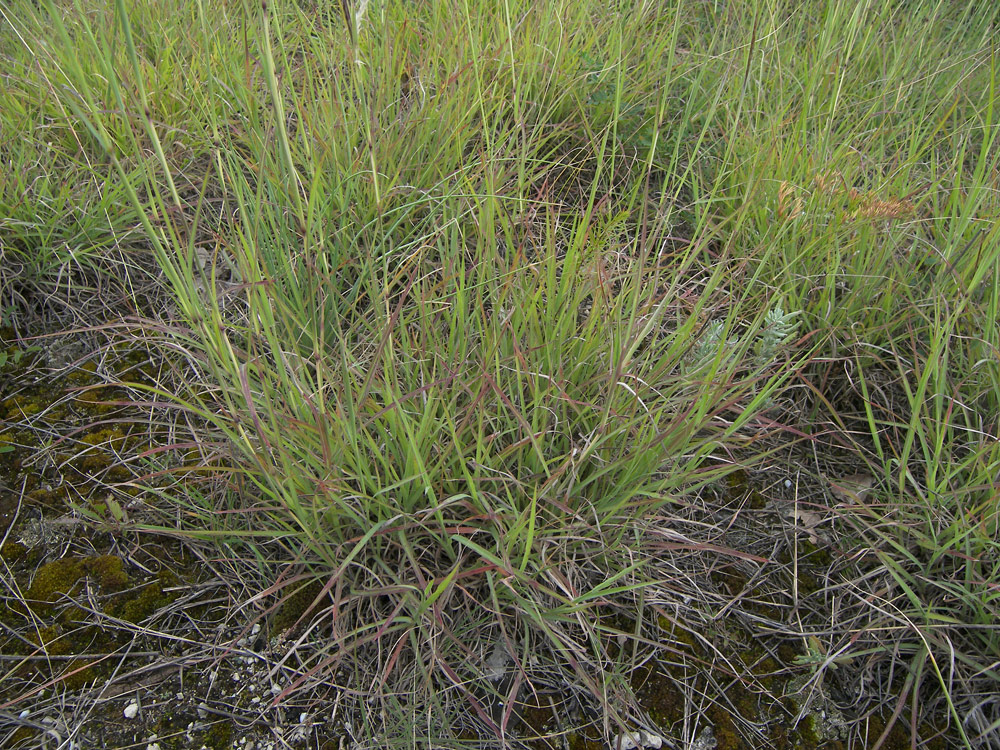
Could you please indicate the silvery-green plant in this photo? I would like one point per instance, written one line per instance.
(777, 329)
(779, 326)
(708, 344)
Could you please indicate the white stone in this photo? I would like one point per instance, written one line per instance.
(634, 740)
(705, 741)
(131, 710)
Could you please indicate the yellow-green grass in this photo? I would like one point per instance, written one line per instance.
(472, 292)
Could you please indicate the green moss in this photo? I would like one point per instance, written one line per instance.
(219, 736)
(787, 653)
(146, 600)
(21, 734)
(52, 641)
(729, 580)
(294, 607)
(85, 374)
(727, 737)
(61, 577)
(806, 731)
(80, 673)
(100, 453)
(13, 552)
(745, 702)
(899, 736)
(935, 738)
(69, 634)
(118, 473)
(174, 724)
(821, 557)
(54, 498)
(19, 407)
(112, 438)
(108, 571)
(679, 637)
(657, 694)
(807, 582)
(578, 741)
(97, 401)
(766, 672)
(52, 581)
(539, 719)
(93, 462)
(737, 484)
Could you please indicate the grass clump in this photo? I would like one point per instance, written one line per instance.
(473, 309)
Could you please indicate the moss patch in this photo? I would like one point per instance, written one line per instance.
(54, 626)
(296, 606)
(146, 600)
(219, 736)
(53, 580)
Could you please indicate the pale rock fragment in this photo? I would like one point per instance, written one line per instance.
(639, 739)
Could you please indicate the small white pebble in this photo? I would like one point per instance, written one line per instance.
(640, 739)
(303, 717)
(179, 696)
(255, 629)
(275, 689)
(24, 714)
(788, 483)
(202, 711)
(131, 710)
(255, 700)
(236, 676)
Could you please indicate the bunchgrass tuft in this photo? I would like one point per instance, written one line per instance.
(475, 306)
